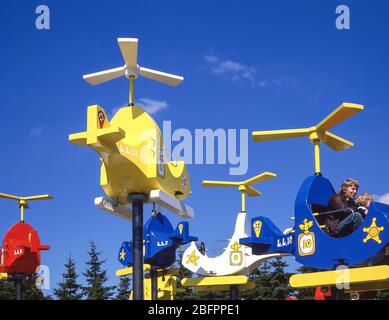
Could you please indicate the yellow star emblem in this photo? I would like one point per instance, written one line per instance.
(373, 232)
(192, 258)
(122, 255)
(235, 247)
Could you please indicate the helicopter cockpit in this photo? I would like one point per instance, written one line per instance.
(317, 196)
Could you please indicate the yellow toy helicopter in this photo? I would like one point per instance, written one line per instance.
(133, 158)
(134, 167)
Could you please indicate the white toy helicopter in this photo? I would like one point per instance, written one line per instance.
(236, 258)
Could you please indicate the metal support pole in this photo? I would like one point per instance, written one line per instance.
(131, 94)
(19, 289)
(18, 281)
(243, 201)
(234, 292)
(317, 156)
(137, 243)
(340, 294)
(22, 213)
(154, 283)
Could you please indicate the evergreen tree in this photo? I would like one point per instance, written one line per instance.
(124, 289)
(31, 292)
(271, 281)
(279, 280)
(261, 277)
(7, 290)
(69, 289)
(96, 277)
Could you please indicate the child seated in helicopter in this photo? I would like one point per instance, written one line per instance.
(344, 199)
(363, 202)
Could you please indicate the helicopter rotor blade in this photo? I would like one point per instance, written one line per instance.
(103, 76)
(259, 136)
(337, 143)
(9, 196)
(213, 183)
(260, 178)
(129, 49)
(39, 197)
(344, 111)
(252, 192)
(167, 78)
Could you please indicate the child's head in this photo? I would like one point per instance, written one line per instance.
(364, 199)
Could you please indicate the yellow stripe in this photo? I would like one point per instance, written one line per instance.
(334, 277)
(214, 281)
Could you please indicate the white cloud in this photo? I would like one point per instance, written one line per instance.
(37, 131)
(231, 69)
(152, 106)
(383, 199)
(211, 59)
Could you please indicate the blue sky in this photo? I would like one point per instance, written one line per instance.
(275, 65)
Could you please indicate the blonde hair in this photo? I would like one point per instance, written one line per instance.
(348, 183)
(363, 199)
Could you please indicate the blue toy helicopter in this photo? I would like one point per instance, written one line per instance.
(160, 242)
(308, 242)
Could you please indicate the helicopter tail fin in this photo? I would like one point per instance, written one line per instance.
(98, 129)
(125, 254)
(181, 233)
(264, 234)
(97, 118)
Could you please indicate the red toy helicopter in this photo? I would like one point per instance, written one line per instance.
(21, 246)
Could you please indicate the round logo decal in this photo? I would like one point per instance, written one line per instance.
(101, 117)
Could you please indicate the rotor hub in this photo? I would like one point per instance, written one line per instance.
(131, 72)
